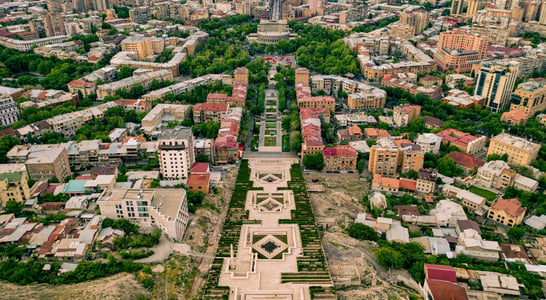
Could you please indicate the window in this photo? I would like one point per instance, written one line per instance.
(142, 203)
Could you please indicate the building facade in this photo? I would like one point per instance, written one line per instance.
(164, 208)
(458, 50)
(520, 151)
(495, 83)
(529, 97)
(507, 211)
(9, 113)
(176, 154)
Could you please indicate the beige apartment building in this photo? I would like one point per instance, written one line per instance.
(495, 174)
(410, 24)
(529, 97)
(13, 183)
(367, 100)
(521, 152)
(240, 75)
(164, 208)
(302, 76)
(49, 164)
(403, 115)
(143, 46)
(386, 158)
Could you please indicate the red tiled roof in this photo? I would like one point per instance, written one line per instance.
(386, 181)
(79, 82)
(440, 272)
(443, 290)
(139, 139)
(200, 167)
(466, 160)
(211, 107)
(355, 130)
(511, 207)
(408, 184)
(198, 179)
(217, 96)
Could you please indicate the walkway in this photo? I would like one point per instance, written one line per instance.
(161, 252)
(269, 249)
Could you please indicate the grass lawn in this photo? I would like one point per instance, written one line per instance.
(270, 125)
(484, 193)
(270, 141)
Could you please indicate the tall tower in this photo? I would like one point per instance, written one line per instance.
(457, 7)
(542, 19)
(495, 83)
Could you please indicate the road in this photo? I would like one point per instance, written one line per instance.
(161, 252)
(275, 10)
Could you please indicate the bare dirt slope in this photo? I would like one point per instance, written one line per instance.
(121, 286)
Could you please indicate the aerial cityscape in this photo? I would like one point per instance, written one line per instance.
(280, 149)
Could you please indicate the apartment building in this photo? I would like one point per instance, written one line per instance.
(181, 87)
(468, 199)
(13, 183)
(144, 79)
(386, 158)
(140, 15)
(410, 24)
(403, 115)
(495, 82)
(372, 99)
(209, 112)
(240, 75)
(399, 81)
(26, 46)
(164, 208)
(48, 164)
(462, 140)
(507, 212)
(301, 76)
(138, 105)
(143, 46)
(458, 50)
(9, 113)
(153, 119)
(328, 102)
(520, 151)
(529, 97)
(340, 157)
(176, 155)
(496, 174)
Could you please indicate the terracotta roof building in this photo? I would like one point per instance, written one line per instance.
(462, 140)
(443, 290)
(440, 272)
(507, 211)
(466, 161)
(515, 117)
(341, 157)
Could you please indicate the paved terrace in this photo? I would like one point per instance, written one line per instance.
(267, 250)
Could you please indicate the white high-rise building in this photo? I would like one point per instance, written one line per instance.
(176, 155)
(9, 113)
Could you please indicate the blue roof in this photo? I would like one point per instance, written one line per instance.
(75, 186)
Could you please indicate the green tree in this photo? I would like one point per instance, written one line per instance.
(14, 207)
(362, 232)
(314, 161)
(447, 167)
(516, 233)
(390, 258)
